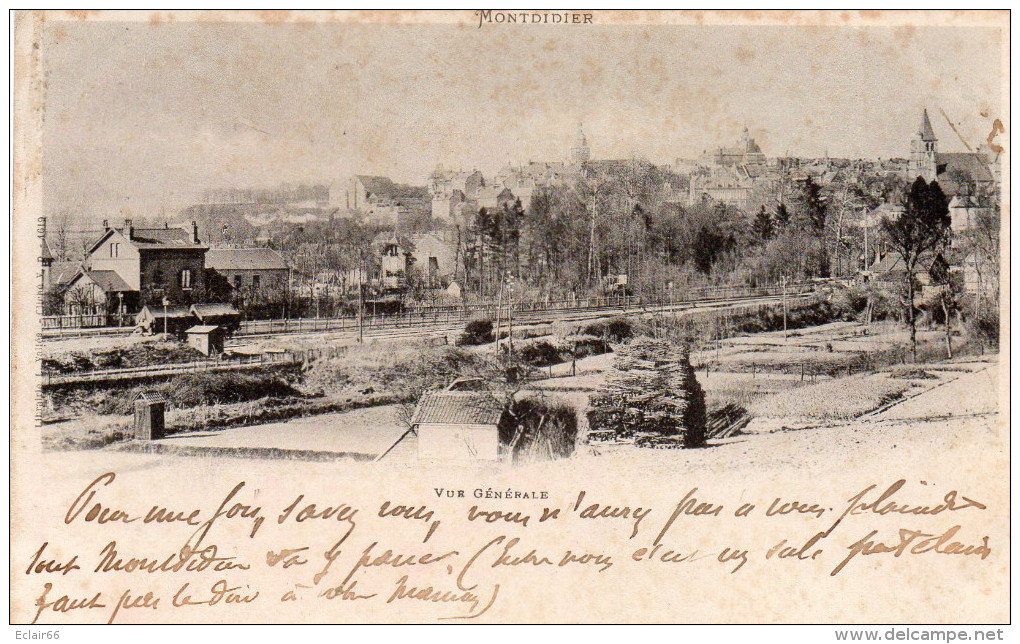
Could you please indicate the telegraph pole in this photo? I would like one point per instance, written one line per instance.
(361, 304)
(783, 282)
(499, 302)
(510, 311)
(591, 237)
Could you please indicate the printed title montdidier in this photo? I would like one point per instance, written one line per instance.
(533, 18)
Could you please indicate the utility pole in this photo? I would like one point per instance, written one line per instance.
(783, 281)
(499, 302)
(361, 303)
(591, 237)
(867, 256)
(510, 312)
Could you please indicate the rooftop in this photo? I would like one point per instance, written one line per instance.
(459, 408)
(213, 310)
(109, 281)
(244, 259)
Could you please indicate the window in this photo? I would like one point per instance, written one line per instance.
(255, 282)
(237, 281)
(114, 249)
(186, 278)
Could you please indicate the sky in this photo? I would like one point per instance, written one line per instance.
(141, 116)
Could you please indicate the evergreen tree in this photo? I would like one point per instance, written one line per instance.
(813, 205)
(762, 226)
(782, 215)
(652, 389)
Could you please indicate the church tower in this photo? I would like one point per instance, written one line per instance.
(580, 154)
(923, 151)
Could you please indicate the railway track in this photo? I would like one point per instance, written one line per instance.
(446, 329)
(524, 318)
(298, 326)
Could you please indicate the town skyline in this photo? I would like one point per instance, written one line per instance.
(167, 112)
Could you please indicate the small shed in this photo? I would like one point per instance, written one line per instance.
(223, 315)
(150, 408)
(458, 425)
(154, 318)
(206, 338)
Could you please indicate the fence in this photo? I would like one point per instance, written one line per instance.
(458, 314)
(419, 315)
(87, 321)
(235, 361)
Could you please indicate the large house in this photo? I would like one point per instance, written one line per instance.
(727, 184)
(965, 212)
(746, 151)
(255, 274)
(450, 190)
(382, 200)
(128, 267)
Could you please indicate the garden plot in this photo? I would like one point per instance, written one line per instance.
(836, 399)
(831, 348)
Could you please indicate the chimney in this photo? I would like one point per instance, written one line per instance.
(106, 225)
(129, 229)
(194, 231)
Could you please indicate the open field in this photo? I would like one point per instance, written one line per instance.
(931, 423)
(754, 383)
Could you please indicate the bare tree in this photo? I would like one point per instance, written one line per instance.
(923, 227)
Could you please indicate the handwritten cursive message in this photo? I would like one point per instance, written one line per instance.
(459, 554)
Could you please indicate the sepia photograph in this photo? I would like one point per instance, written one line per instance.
(511, 316)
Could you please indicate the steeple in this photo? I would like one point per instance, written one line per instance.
(924, 151)
(580, 153)
(925, 132)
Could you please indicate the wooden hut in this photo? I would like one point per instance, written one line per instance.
(458, 425)
(174, 320)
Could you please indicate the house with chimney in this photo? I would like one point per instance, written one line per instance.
(128, 268)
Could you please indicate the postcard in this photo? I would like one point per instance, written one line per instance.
(508, 316)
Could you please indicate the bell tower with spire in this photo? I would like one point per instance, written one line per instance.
(924, 151)
(580, 154)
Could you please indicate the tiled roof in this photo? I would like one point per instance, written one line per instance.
(458, 408)
(109, 281)
(377, 185)
(241, 259)
(971, 164)
(154, 238)
(163, 238)
(203, 328)
(893, 262)
(755, 170)
(156, 311)
(61, 272)
(964, 201)
(884, 211)
(45, 253)
(203, 311)
(386, 188)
